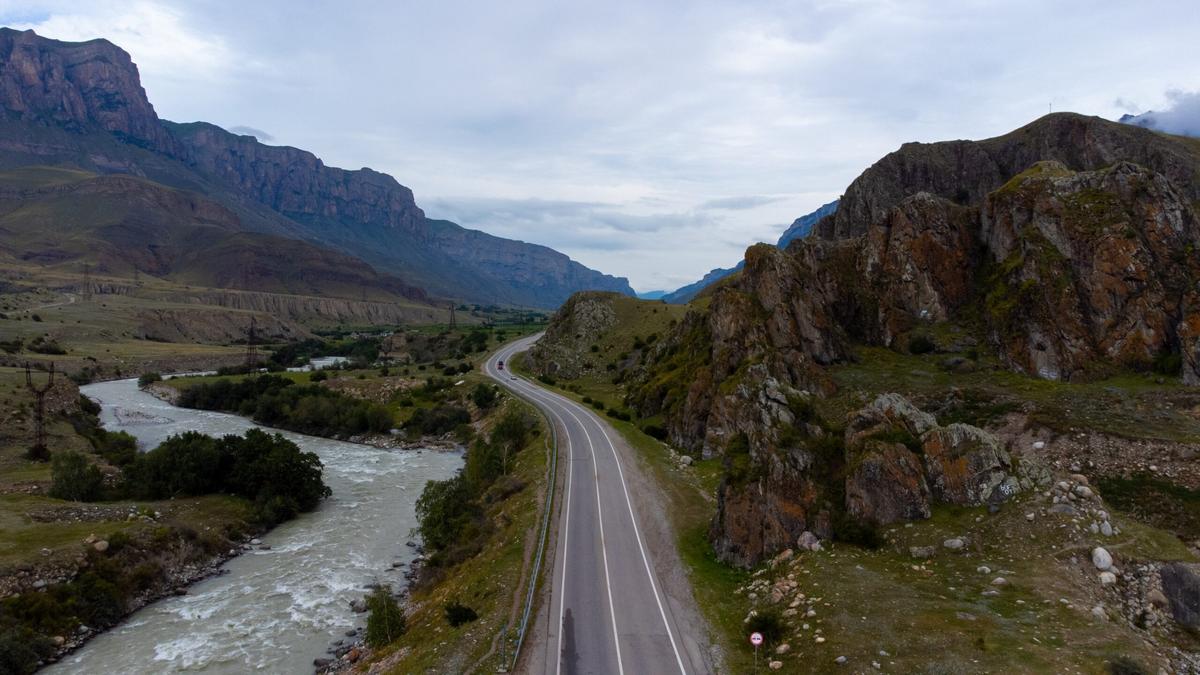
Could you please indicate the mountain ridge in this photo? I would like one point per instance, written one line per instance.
(87, 90)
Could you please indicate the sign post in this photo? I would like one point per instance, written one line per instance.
(756, 639)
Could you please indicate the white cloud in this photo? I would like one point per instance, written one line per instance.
(646, 110)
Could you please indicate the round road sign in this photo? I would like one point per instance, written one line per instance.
(756, 639)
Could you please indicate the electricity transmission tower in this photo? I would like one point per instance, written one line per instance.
(87, 282)
(39, 451)
(453, 321)
(251, 347)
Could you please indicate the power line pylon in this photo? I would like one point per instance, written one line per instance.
(39, 451)
(251, 347)
(453, 321)
(87, 282)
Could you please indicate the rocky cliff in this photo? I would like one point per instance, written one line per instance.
(1066, 248)
(799, 229)
(82, 105)
(967, 171)
(77, 85)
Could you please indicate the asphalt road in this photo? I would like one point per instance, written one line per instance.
(608, 612)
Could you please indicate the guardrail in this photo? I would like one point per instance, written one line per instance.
(542, 538)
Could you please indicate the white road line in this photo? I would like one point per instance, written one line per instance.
(533, 391)
(567, 404)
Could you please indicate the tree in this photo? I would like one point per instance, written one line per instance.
(386, 622)
(484, 396)
(75, 478)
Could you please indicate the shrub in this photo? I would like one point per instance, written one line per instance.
(770, 623)
(149, 378)
(21, 650)
(43, 345)
(75, 478)
(484, 396)
(1124, 665)
(1168, 363)
(655, 431)
(318, 376)
(266, 468)
(920, 344)
(118, 448)
(437, 421)
(457, 614)
(386, 622)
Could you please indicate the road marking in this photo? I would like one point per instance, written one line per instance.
(531, 391)
(637, 534)
(567, 405)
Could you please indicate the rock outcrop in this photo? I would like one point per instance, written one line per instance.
(1090, 267)
(576, 325)
(892, 463)
(967, 171)
(1066, 247)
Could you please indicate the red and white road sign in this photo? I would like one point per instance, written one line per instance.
(756, 639)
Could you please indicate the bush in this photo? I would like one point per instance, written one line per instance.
(43, 345)
(75, 478)
(20, 651)
(318, 376)
(386, 622)
(118, 448)
(484, 396)
(277, 401)
(1124, 665)
(770, 623)
(457, 614)
(920, 344)
(655, 431)
(149, 378)
(1168, 363)
(266, 468)
(437, 421)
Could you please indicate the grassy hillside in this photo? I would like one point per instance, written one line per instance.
(942, 613)
(63, 218)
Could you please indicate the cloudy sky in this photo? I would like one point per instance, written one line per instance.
(654, 140)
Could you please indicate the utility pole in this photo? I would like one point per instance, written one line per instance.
(87, 282)
(39, 452)
(251, 347)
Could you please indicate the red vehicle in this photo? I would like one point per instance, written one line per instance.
(500, 365)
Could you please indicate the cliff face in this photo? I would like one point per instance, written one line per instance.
(800, 228)
(1061, 272)
(82, 104)
(967, 171)
(78, 86)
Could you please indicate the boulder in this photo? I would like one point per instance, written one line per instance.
(885, 483)
(1181, 586)
(965, 465)
(1101, 558)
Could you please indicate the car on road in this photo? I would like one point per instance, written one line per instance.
(500, 365)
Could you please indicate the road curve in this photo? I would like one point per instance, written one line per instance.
(608, 612)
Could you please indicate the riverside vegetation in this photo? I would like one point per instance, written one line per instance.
(195, 497)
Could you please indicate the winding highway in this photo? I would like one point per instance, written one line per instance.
(608, 611)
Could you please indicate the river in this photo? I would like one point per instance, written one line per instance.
(275, 610)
